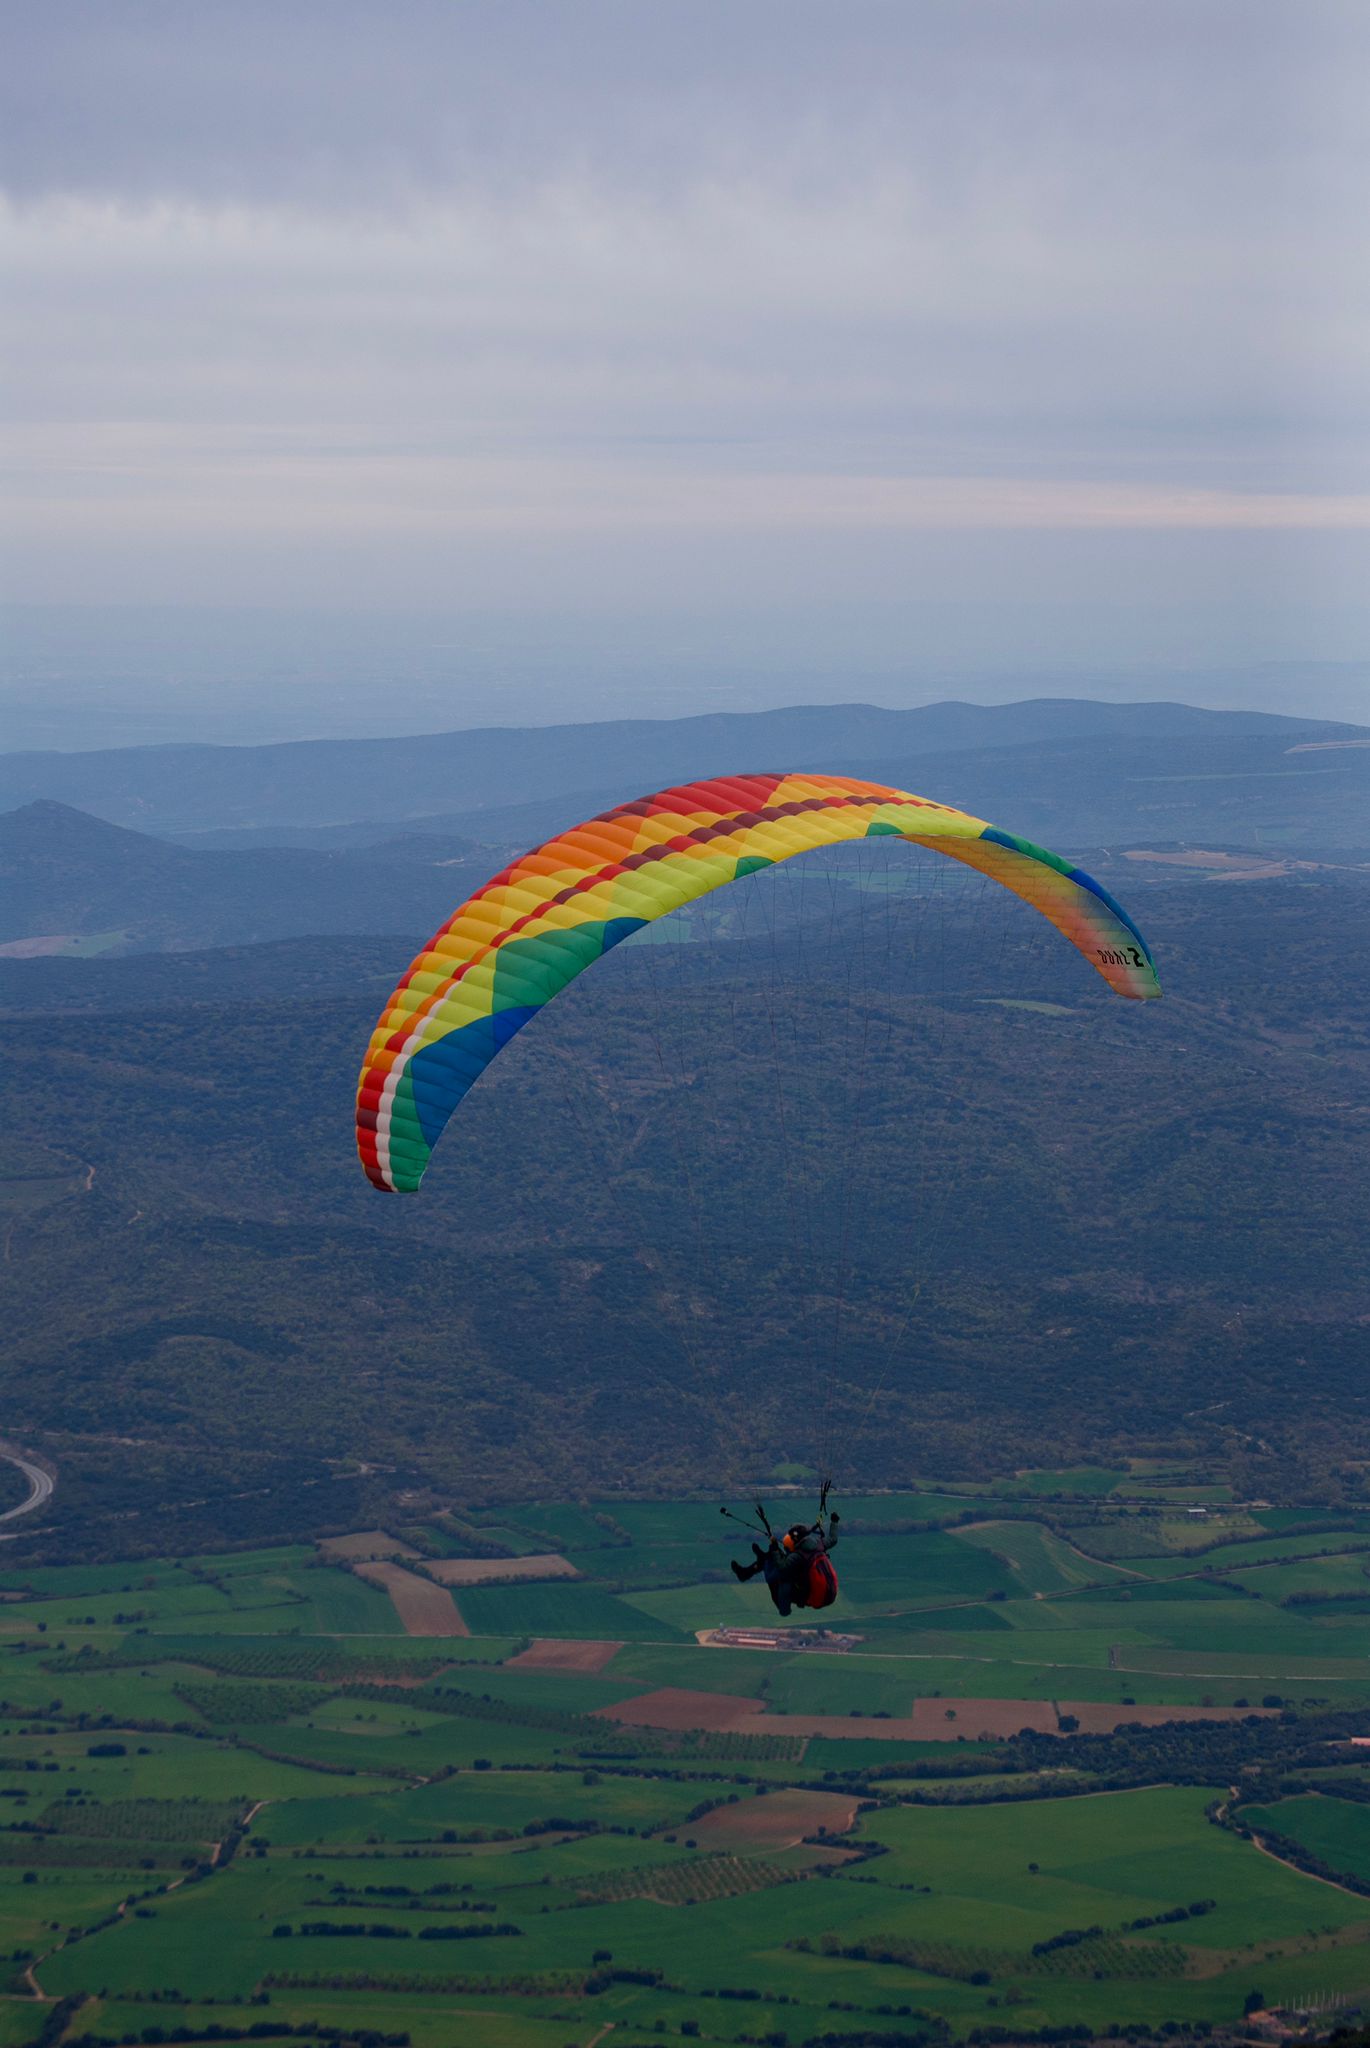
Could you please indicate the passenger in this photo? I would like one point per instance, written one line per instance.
(796, 1567)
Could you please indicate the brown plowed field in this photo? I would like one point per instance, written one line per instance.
(425, 1609)
(476, 1571)
(1006, 1717)
(840, 1727)
(547, 1655)
(366, 1543)
(980, 1717)
(774, 1822)
(724, 1713)
(1096, 1718)
(674, 1707)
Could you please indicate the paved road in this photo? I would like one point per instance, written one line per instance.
(41, 1484)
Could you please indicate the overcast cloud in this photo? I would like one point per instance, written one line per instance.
(675, 309)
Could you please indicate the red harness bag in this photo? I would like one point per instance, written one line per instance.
(822, 1586)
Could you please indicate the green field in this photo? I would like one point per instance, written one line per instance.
(1335, 1830)
(1040, 1561)
(558, 1608)
(236, 1778)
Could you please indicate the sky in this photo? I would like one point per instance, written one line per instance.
(552, 358)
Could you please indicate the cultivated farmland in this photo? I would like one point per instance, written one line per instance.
(235, 1790)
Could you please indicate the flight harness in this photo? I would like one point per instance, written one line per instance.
(820, 1586)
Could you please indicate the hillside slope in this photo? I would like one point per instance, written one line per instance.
(64, 875)
(1147, 1222)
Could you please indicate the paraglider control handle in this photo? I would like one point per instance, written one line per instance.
(763, 1528)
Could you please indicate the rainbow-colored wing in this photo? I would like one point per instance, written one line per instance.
(517, 942)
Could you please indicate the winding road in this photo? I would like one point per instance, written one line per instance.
(41, 1484)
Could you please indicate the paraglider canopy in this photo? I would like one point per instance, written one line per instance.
(521, 938)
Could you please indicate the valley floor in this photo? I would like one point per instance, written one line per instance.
(1086, 1754)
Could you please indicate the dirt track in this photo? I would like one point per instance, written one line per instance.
(41, 1482)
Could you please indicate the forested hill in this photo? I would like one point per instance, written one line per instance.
(705, 1217)
(66, 877)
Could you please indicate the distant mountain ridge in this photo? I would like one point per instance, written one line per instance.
(72, 881)
(1248, 790)
(325, 783)
(1242, 790)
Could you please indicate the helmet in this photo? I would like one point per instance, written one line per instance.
(794, 1537)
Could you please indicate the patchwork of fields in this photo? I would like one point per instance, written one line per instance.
(278, 1788)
